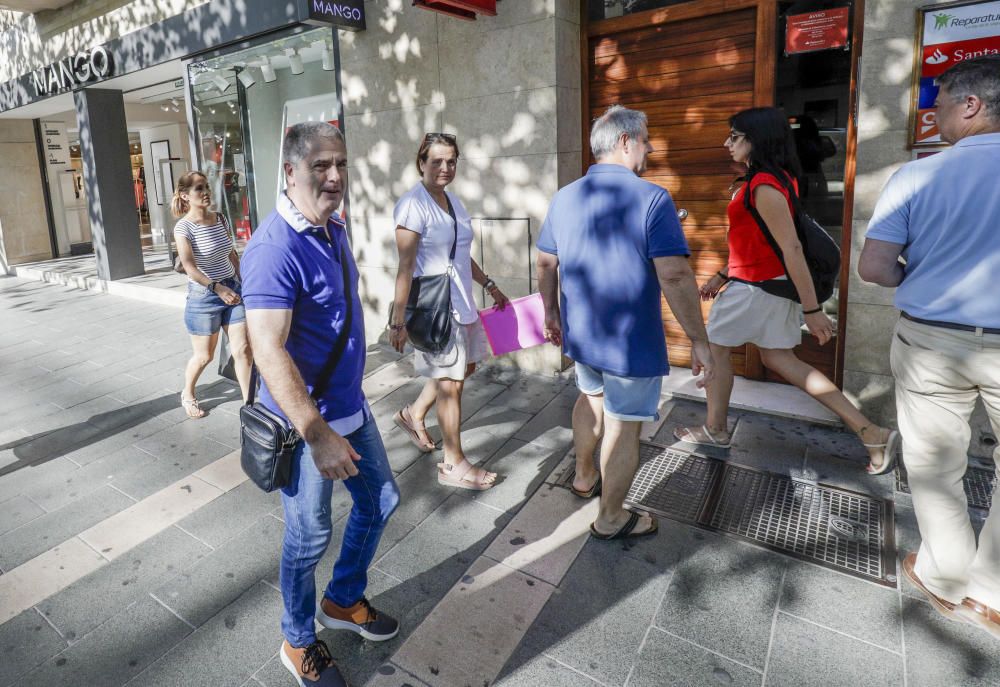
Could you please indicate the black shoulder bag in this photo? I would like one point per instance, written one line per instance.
(821, 252)
(267, 443)
(428, 309)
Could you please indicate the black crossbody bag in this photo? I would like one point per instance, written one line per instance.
(428, 309)
(267, 442)
(821, 252)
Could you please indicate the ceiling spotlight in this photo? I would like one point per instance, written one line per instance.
(175, 102)
(328, 64)
(294, 61)
(246, 78)
(211, 110)
(221, 82)
(267, 70)
(165, 107)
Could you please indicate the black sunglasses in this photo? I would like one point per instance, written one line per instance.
(450, 138)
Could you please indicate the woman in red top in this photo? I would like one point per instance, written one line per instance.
(761, 139)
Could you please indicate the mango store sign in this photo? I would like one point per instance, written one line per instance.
(344, 14)
(72, 72)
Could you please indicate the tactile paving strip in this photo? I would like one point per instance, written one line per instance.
(826, 525)
(979, 483)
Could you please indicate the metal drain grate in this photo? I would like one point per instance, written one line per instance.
(834, 527)
(829, 526)
(672, 482)
(979, 485)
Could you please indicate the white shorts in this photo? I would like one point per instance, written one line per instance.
(745, 314)
(468, 344)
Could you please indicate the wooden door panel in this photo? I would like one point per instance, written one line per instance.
(689, 76)
(718, 54)
(658, 86)
(716, 26)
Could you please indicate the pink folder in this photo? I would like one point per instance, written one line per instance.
(519, 325)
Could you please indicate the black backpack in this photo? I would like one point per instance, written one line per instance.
(821, 252)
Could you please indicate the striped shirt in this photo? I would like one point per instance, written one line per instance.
(212, 244)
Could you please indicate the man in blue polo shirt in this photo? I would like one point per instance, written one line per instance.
(940, 213)
(293, 291)
(610, 244)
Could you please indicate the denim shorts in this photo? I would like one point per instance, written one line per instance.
(205, 313)
(632, 399)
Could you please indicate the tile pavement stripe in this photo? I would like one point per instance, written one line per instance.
(225, 473)
(44, 575)
(546, 535)
(136, 524)
(62, 565)
(469, 636)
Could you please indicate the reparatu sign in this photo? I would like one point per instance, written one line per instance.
(72, 72)
(949, 35)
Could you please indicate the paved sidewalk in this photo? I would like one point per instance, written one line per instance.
(155, 563)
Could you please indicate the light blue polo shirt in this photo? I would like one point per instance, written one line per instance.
(606, 228)
(945, 211)
(289, 264)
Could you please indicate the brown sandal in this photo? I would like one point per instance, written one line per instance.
(457, 476)
(412, 430)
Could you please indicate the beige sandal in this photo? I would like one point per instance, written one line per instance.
(192, 408)
(413, 430)
(458, 476)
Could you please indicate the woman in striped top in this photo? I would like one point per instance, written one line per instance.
(206, 249)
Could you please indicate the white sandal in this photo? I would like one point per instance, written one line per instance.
(889, 450)
(192, 408)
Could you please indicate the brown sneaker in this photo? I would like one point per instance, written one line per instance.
(312, 665)
(943, 606)
(980, 614)
(361, 618)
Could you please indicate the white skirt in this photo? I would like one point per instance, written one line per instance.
(747, 314)
(468, 344)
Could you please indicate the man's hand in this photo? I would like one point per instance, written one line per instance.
(553, 329)
(701, 363)
(334, 456)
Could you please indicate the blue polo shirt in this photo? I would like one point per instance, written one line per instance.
(289, 264)
(944, 211)
(606, 228)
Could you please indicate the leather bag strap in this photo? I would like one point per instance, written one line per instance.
(454, 243)
(338, 348)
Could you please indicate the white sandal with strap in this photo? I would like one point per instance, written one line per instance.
(889, 450)
(455, 476)
(192, 408)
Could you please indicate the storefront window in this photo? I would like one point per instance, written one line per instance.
(244, 101)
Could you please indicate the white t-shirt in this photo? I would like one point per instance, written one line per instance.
(418, 212)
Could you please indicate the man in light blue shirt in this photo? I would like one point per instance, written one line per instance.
(941, 214)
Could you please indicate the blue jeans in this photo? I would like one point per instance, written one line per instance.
(306, 501)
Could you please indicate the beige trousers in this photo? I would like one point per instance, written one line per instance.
(939, 375)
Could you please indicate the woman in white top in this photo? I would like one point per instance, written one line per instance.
(425, 231)
(207, 251)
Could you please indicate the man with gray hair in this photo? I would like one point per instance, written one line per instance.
(610, 244)
(295, 269)
(940, 214)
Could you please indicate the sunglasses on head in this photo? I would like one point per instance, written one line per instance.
(450, 138)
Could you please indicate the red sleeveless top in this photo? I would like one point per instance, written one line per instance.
(751, 258)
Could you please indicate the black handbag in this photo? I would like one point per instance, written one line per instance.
(428, 309)
(267, 442)
(821, 252)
